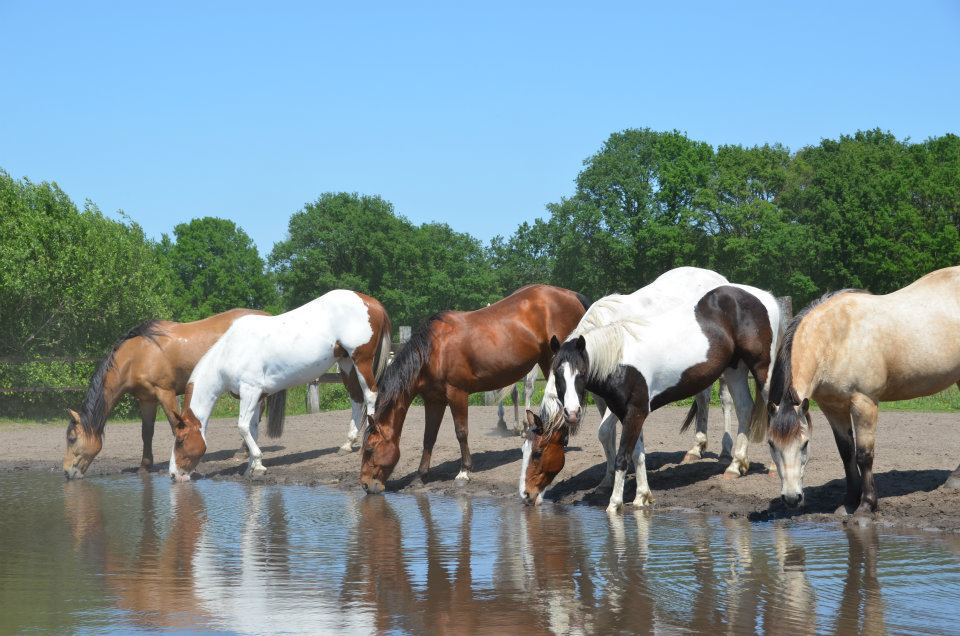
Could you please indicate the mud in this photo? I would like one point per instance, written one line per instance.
(915, 454)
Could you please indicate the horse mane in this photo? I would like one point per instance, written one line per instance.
(400, 375)
(93, 410)
(599, 314)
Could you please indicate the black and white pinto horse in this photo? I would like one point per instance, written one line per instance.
(637, 366)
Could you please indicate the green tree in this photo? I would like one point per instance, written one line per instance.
(71, 281)
(216, 267)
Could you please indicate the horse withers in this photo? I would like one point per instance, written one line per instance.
(850, 350)
(153, 362)
(637, 366)
(265, 355)
(454, 354)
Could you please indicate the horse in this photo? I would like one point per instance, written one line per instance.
(152, 362)
(639, 365)
(670, 289)
(454, 354)
(265, 355)
(499, 396)
(850, 350)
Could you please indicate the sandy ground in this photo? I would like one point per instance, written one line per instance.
(915, 454)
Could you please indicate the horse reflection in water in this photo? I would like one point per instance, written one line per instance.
(155, 583)
(861, 607)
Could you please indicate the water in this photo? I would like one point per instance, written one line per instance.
(114, 555)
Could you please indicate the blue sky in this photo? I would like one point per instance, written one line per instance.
(473, 115)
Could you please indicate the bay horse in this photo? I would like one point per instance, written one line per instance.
(266, 355)
(153, 362)
(637, 366)
(850, 350)
(454, 354)
(667, 291)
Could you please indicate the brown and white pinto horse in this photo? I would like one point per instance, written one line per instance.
(454, 354)
(152, 362)
(850, 350)
(637, 366)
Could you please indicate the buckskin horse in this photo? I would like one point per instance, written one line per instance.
(153, 362)
(682, 284)
(265, 355)
(454, 354)
(850, 350)
(637, 366)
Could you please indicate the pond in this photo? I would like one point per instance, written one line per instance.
(130, 553)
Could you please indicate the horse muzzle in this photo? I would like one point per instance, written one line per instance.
(372, 486)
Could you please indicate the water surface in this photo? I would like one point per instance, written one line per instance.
(120, 554)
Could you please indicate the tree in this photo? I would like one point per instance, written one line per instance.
(216, 267)
(71, 281)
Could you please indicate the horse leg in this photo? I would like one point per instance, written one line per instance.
(515, 394)
(953, 481)
(458, 407)
(839, 419)
(148, 415)
(700, 437)
(743, 404)
(644, 496)
(351, 380)
(246, 420)
(171, 406)
(864, 412)
(726, 401)
(607, 433)
(433, 411)
(632, 425)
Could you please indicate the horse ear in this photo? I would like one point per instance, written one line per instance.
(771, 408)
(74, 416)
(534, 424)
(554, 344)
(581, 344)
(805, 405)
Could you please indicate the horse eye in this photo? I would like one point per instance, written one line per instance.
(772, 445)
(804, 447)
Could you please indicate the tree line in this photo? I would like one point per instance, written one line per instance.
(865, 210)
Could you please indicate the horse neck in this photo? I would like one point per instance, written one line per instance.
(604, 350)
(203, 390)
(804, 367)
(397, 412)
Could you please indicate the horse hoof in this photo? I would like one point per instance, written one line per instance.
(690, 458)
(346, 449)
(952, 483)
(614, 508)
(256, 471)
(844, 510)
(462, 477)
(145, 466)
(644, 500)
(731, 474)
(772, 471)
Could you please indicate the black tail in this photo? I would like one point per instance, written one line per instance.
(583, 300)
(276, 410)
(691, 414)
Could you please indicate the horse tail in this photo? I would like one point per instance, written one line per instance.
(759, 417)
(382, 357)
(691, 414)
(276, 410)
(583, 300)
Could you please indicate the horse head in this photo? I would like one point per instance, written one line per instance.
(543, 457)
(188, 446)
(83, 444)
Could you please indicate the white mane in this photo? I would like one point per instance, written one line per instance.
(605, 345)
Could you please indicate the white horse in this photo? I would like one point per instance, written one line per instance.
(682, 285)
(266, 355)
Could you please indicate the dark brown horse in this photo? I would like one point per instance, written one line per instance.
(153, 362)
(454, 354)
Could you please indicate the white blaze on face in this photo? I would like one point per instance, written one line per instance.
(571, 402)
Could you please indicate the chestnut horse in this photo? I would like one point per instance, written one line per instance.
(454, 354)
(849, 351)
(152, 362)
(265, 355)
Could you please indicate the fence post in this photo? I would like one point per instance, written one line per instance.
(313, 397)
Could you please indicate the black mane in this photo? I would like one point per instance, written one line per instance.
(400, 375)
(93, 411)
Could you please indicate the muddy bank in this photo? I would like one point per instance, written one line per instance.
(915, 454)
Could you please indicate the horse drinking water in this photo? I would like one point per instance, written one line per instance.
(265, 355)
(153, 362)
(454, 354)
(637, 366)
(849, 351)
(543, 456)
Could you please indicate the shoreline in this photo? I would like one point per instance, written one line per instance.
(916, 452)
